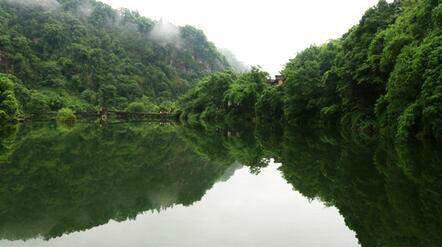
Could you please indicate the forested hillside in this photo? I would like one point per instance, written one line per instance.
(224, 95)
(82, 54)
(383, 75)
(385, 72)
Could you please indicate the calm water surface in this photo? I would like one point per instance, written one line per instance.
(165, 185)
(246, 210)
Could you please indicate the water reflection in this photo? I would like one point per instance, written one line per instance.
(244, 211)
(56, 180)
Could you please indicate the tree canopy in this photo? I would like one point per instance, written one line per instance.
(83, 53)
(224, 95)
(383, 75)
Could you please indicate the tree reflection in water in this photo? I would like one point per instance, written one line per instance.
(56, 180)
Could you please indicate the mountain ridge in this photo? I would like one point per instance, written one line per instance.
(82, 54)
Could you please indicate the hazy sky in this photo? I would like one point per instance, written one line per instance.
(258, 32)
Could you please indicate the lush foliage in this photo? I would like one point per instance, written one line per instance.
(384, 75)
(66, 115)
(9, 106)
(224, 95)
(309, 86)
(82, 54)
(385, 72)
(270, 105)
(206, 99)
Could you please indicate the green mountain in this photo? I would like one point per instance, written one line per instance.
(82, 54)
(383, 75)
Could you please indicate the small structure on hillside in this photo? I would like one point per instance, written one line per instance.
(278, 81)
(104, 114)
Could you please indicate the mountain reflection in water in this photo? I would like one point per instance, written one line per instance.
(56, 182)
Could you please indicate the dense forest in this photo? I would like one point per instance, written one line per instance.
(80, 54)
(382, 78)
(383, 75)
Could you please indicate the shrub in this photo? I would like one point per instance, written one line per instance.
(66, 115)
(136, 107)
(9, 106)
(38, 103)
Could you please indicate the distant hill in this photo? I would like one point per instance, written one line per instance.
(82, 54)
(236, 64)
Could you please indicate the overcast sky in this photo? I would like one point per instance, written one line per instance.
(258, 32)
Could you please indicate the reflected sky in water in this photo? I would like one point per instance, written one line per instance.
(171, 185)
(246, 210)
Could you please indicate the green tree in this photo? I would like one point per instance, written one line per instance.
(38, 103)
(66, 115)
(270, 105)
(207, 97)
(136, 107)
(67, 52)
(309, 85)
(9, 106)
(244, 92)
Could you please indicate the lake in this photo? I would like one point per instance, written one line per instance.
(151, 184)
